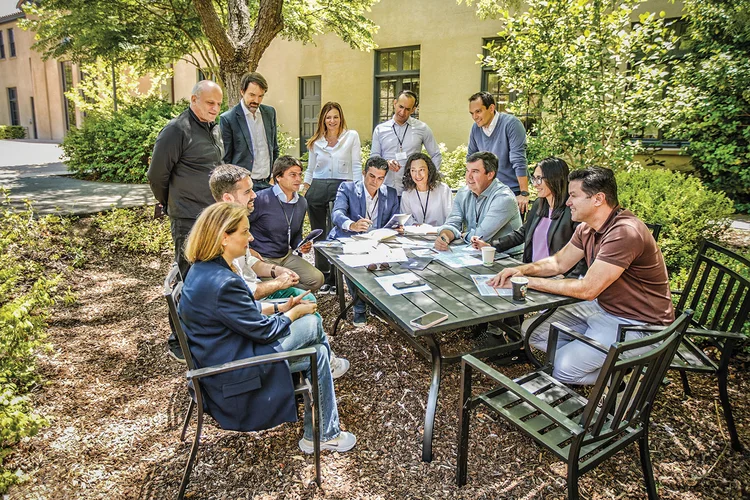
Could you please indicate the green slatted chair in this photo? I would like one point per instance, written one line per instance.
(582, 432)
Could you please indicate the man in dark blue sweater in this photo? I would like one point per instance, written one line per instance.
(276, 223)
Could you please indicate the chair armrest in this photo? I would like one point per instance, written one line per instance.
(624, 328)
(555, 328)
(247, 362)
(701, 332)
(677, 292)
(528, 397)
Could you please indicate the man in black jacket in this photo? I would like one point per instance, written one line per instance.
(249, 132)
(186, 151)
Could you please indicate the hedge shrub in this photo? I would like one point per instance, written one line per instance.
(117, 148)
(34, 252)
(12, 132)
(688, 211)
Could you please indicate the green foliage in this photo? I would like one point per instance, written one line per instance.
(709, 95)
(12, 132)
(566, 59)
(286, 141)
(688, 211)
(116, 148)
(453, 166)
(134, 230)
(34, 252)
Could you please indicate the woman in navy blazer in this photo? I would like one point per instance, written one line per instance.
(224, 323)
(548, 225)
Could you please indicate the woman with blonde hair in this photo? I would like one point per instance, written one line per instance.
(335, 156)
(224, 323)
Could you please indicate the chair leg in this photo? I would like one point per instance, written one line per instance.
(187, 419)
(573, 479)
(648, 471)
(685, 384)
(464, 413)
(724, 398)
(193, 454)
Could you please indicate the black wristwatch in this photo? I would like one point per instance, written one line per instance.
(523, 193)
(275, 308)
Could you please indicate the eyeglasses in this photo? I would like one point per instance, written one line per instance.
(378, 267)
(536, 180)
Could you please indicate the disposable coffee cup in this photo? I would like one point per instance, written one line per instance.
(520, 285)
(488, 255)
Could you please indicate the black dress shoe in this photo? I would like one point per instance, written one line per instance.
(326, 289)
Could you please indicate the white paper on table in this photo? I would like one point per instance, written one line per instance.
(363, 246)
(387, 283)
(408, 242)
(420, 229)
(425, 252)
(376, 235)
(345, 239)
(380, 253)
(457, 259)
(485, 290)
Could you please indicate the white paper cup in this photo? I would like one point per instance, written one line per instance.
(488, 255)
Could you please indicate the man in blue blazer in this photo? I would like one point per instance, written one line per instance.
(249, 132)
(361, 206)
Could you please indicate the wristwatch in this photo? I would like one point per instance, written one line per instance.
(523, 193)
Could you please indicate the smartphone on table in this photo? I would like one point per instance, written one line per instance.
(408, 284)
(429, 319)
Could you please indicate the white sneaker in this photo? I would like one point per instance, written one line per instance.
(345, 441)
(339, 366)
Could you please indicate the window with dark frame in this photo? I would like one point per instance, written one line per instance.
(11, 43)
(395, 70)
(2, 46)
(492, 83)
(69, 107)
(15, 118)
(653, 136)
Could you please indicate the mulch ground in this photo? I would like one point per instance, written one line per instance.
(115, 402)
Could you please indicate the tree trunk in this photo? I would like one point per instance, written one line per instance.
(239, 50)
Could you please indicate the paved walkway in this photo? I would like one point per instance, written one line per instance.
(33, 170)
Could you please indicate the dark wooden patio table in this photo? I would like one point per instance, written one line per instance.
(454, 293)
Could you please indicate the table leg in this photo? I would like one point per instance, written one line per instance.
(340, 287)
(429, 419)
(541, 317)
(341, 316)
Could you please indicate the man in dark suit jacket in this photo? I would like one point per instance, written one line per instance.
(249, 132)
(361, 206)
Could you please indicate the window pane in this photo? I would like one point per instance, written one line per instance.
(393, 61)
(415, 59)
(383, 63)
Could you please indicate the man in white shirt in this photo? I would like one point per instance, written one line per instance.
(249, 132)
(400, 137)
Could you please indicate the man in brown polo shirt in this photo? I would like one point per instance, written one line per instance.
(626, 281)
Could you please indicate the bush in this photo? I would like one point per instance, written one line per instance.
(117, 148)
(34, 252)
(453, 166)
(687, 210)
(12, 132)
(134, 230)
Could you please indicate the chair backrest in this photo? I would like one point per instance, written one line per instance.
(628, 382)
(717, 288)
(655, 230)
(172, 294)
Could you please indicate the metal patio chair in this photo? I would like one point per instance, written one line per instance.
(717, 292)
(582, 432)
(308, 389)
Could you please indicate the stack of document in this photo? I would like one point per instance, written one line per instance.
(376, 235)
(375, 255)
(422, 229)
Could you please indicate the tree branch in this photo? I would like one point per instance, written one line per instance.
(213, 28)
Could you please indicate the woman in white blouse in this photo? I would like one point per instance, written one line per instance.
(335, 156)
(425, 197)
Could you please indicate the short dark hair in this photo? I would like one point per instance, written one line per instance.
(224, 178)
(487, 98)
(597, 180)
(555, 172)
(253, 77)
(409, 93)
(433, 176)
(376, 162)
(284, 163)
(489, 160)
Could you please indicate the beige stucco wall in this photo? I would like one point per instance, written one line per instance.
(31, 76)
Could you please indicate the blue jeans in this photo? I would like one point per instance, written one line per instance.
(575, 362)
(292, 292)
(359, 305)
(307, 331)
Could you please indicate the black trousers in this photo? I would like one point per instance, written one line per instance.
(321, 193)
(180, 230)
